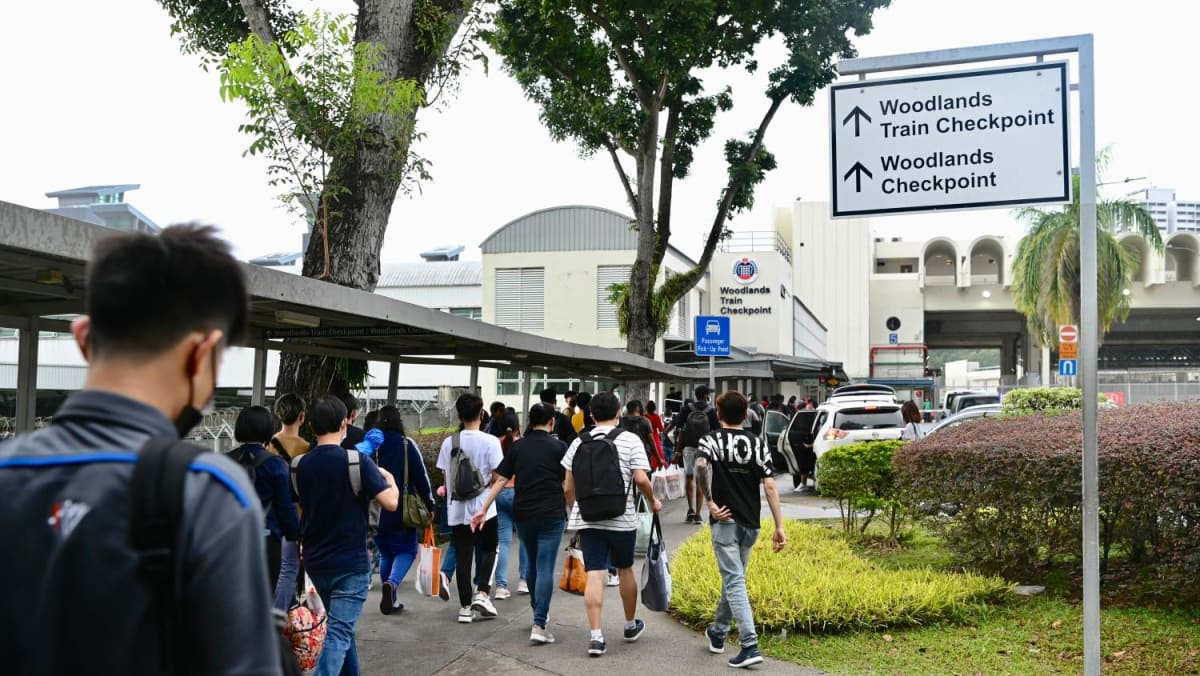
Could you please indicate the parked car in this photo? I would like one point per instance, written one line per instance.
(789, 440)
(865, 393)
(967, 415)
(844, 420)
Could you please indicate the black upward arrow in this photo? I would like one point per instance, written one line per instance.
(859, 115)
(858, 170)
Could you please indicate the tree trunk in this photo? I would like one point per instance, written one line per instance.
(369, 178)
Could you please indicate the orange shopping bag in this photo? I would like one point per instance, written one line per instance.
(574, 576)
(429, 563)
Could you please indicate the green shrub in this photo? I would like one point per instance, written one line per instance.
(818, 584)
(1045, 399)
(861, 479)
(1012, 489)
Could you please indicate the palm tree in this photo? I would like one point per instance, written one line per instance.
(1046, 277)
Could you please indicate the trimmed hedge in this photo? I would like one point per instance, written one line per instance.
(1049, 399)
(1012, 487)
(817, 583)
(860, 477)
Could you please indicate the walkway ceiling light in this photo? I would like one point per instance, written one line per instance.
(987, 294)
(297, 319)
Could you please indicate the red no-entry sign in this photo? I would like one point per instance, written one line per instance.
(1068, 334)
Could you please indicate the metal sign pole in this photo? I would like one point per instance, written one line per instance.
(712, 373)
(1088, 341)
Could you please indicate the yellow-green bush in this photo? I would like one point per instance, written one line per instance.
(818, 584)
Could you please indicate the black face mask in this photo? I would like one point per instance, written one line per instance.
(190, 416)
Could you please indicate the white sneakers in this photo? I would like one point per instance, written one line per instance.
(613, 581)
(523, 587)
(502, 594)
(466, 615)
(540, 635)
(484, 606)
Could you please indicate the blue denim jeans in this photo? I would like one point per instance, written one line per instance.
(343, 596)
(504, 514)
(732, 544)
(397, 551)
(289, 571)
(541, 539)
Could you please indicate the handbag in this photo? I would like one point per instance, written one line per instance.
(656, 574)
(574, 576)
(644, 524)
(674, 478)
(416, 512)
(429, 560)
(306, 627)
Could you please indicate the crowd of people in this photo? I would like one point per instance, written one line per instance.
(215, 542)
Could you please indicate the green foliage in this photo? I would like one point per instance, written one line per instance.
(817, 584)
(208, 27)
(1046, 276)
(860, 478)
(626, 79)
(1009, 489)
(318, 104)
(1045, 400)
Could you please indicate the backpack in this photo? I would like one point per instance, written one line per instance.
(695, 426)
(157, 492)
(599, 485)
(244, 459)
(465, 481)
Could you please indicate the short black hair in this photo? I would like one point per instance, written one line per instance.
(549, 395)
(288, 408)
(350, 402)
(605, 406)
(702, 391)
(732, 407)
(390, 420)
(254, 424)
(583, 398)
(651, 407)
(497, 406)
(327, 414)
(469, 406)
(371, 421)
(633, 407)
(540, 414)
(146, 292)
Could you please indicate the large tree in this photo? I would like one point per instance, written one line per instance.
(1046, 279)
(626, 78)
(393, 41)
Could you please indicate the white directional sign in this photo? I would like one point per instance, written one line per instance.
(953, 140)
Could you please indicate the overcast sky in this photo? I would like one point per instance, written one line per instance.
(98, 92)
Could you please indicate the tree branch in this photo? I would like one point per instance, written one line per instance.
(629, 194)
(259, 18)
(666, 178)
(622, 58)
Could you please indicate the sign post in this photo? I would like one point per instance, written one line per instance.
(993, 137)
(712, 341)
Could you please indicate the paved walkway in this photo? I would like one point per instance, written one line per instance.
(427, 639)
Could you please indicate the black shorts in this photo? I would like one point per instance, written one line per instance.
(602, 548)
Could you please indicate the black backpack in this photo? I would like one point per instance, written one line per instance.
(695, 426)
(157, 492)
(599, 485)
(465, 481)
(245, 459)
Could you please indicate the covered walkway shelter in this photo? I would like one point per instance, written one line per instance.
(42, 274)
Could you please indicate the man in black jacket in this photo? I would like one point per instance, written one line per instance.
(354, 433)
(160, 311)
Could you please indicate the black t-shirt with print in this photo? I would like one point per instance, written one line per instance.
(536, 461)
(739, 463)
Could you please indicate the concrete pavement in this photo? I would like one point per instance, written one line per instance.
(427, 639)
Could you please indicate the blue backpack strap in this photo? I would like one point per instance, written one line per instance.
(157, 493)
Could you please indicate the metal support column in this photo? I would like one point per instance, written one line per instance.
(525, 387)
(393, 382)
(473, 385)
(259, 386)
(712, 373)
(1089, 340)
(27, 360)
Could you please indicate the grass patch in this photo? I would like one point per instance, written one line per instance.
(819, 584)
(1040, 635)
(1023, 636)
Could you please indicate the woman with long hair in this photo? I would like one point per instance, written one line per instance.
(396, 542)
(912, 420)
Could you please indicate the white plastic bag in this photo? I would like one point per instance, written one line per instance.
(674, 478)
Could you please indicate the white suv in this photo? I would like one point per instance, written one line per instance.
(852, 414)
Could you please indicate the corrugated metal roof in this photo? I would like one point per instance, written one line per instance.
(49, 377)
(443, 273)
(566, 228)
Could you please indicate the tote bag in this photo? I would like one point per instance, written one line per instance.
(656, 574)
(429, 561)
(574, 576)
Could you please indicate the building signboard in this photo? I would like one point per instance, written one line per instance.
(979, 138)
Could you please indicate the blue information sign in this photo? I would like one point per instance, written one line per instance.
(893, 339)
(1068, 367)
(712, 336)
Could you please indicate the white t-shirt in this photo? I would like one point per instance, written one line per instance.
(911, 432)
(633, 456)
(484, 451)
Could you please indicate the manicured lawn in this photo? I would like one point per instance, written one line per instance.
(1039, 635)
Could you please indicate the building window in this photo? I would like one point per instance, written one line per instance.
(520, 298)
(508, 382)
(606, 276)
(906, 269)
(685, 330)
(468, 312)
